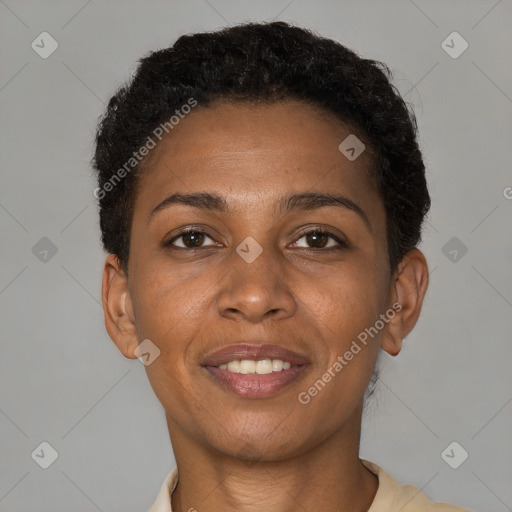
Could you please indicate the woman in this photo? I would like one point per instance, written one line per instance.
(261, 198)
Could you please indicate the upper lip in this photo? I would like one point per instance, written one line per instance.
(253, 352)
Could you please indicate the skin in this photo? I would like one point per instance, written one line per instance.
(274, 453)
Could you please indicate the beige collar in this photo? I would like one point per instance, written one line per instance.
(390, 496)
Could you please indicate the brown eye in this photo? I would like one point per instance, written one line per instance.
(319, 239)
(190, 239)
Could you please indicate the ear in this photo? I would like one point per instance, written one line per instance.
(117, 307)
(408, 288)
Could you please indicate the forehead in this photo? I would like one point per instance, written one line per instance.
(250, 153)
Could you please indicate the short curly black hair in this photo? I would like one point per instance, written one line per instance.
(263, 62)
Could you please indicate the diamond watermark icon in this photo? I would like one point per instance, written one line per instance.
(146, 352)
(44, 45)
(44, 250)
(351, 147)
(249, 249)
(45, 455)
(454, 45)
(454, 249)
(454, 455)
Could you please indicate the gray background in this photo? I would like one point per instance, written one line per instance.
(62, 379)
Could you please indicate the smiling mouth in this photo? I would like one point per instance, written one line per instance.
(253, 370)
(242, 377)
(250, 367)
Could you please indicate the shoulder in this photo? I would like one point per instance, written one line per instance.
(392, 496)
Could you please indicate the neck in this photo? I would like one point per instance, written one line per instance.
(330, 476)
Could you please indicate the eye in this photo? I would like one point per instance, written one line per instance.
(191, 239)
(314, 239)
(320, 239)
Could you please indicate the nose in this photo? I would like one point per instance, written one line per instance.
(258, 290)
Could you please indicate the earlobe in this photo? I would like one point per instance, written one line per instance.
(117, 307)
(408, 289)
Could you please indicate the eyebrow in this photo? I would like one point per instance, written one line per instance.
(304, 201)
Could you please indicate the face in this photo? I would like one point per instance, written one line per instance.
(307, 275)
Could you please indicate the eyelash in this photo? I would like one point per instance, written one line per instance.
(320, 231)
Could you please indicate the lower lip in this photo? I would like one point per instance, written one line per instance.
(256, 386)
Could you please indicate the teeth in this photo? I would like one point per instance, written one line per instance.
(247, 366)
(261, 367)
(234, 366)
(264, 366)
(277, 365)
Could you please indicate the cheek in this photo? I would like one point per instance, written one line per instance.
(337, 383)
(173, 308)
(165, 298)
(344, 308)
(346, 300)
(168, 312)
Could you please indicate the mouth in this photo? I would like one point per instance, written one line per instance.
(255, 371)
